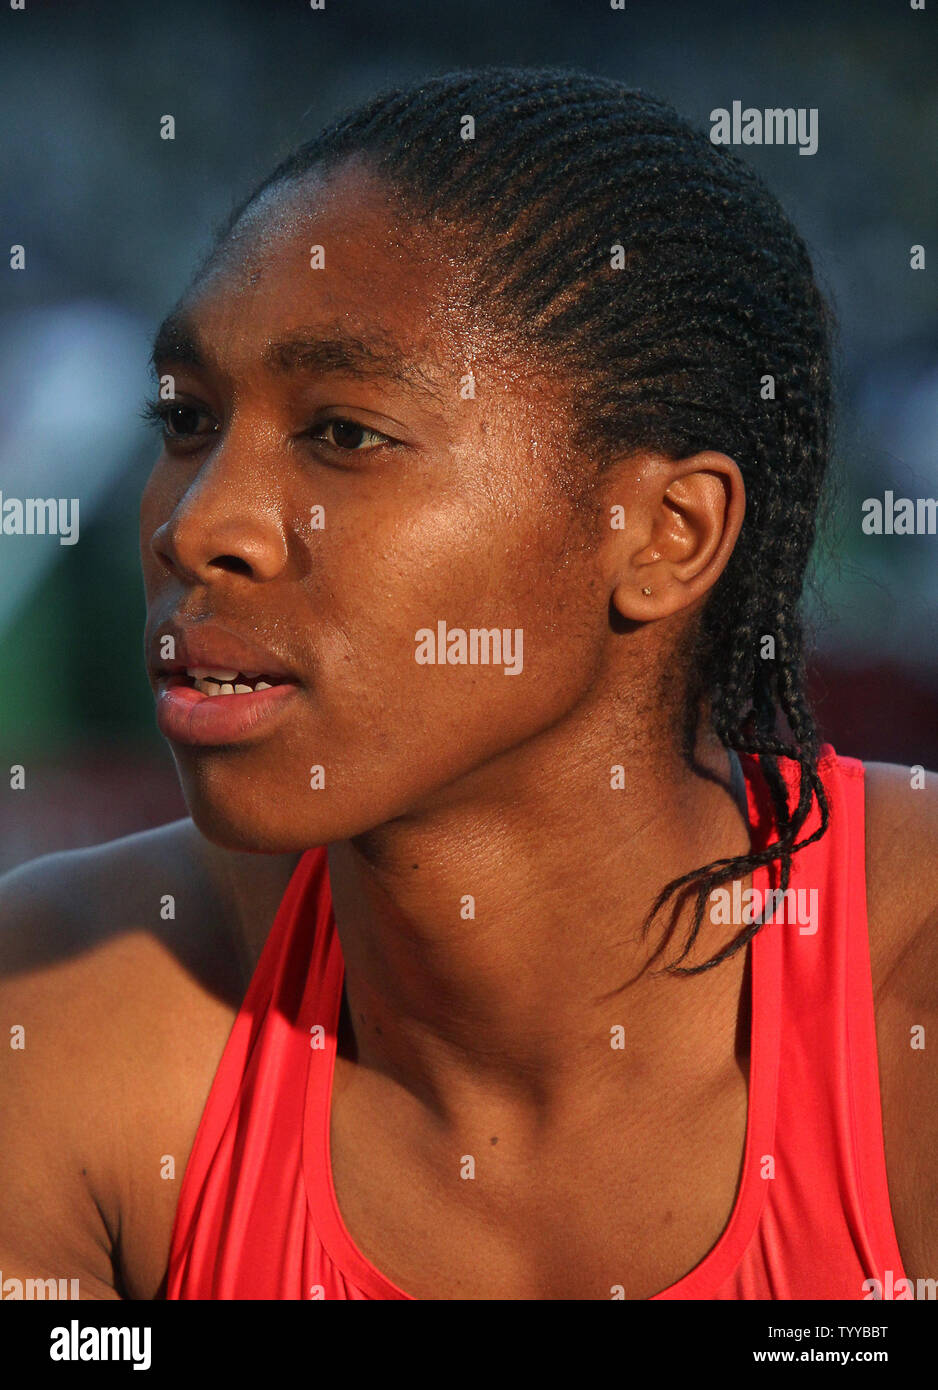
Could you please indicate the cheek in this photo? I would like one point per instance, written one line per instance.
(462, 627)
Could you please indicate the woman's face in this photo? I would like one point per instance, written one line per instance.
(389, 470)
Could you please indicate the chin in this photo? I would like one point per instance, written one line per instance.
(231, 827)
(245, 814)
(242, 807)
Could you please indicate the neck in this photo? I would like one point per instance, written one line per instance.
(492, 943)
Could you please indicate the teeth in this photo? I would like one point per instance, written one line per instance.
(211, 683)
(201, 673)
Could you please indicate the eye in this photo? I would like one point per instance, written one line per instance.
(178, 420)
(348, 436)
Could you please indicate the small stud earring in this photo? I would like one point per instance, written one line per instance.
(646, 590)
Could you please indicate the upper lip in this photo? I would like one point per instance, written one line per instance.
(212, 645)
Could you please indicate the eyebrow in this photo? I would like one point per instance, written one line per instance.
(302, 352)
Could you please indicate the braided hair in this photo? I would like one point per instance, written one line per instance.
(670, 350)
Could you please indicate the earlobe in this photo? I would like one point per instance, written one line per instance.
(639, 603)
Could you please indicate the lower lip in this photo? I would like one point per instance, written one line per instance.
(185, 715)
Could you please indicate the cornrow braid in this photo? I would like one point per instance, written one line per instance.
(667, 351)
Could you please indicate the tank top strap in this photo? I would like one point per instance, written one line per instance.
(261, 1030)
(858, 1063)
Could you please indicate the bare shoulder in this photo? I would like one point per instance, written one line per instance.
(902, 896)
(901, 862)
(169, 884)
(121, 967)
(64, 906)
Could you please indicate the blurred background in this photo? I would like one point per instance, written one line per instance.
(113, 220)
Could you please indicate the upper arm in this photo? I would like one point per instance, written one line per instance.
(54, 1218)
(902, 893)
(120, 975)
(901, 861)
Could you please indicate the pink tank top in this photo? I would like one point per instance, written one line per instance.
(257, 1215)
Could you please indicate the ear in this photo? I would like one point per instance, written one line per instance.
(678, 521)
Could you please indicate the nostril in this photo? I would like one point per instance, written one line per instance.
(232, 563)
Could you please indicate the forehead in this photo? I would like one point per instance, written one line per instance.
(335, 255)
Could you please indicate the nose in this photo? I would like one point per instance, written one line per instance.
(223, 525)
